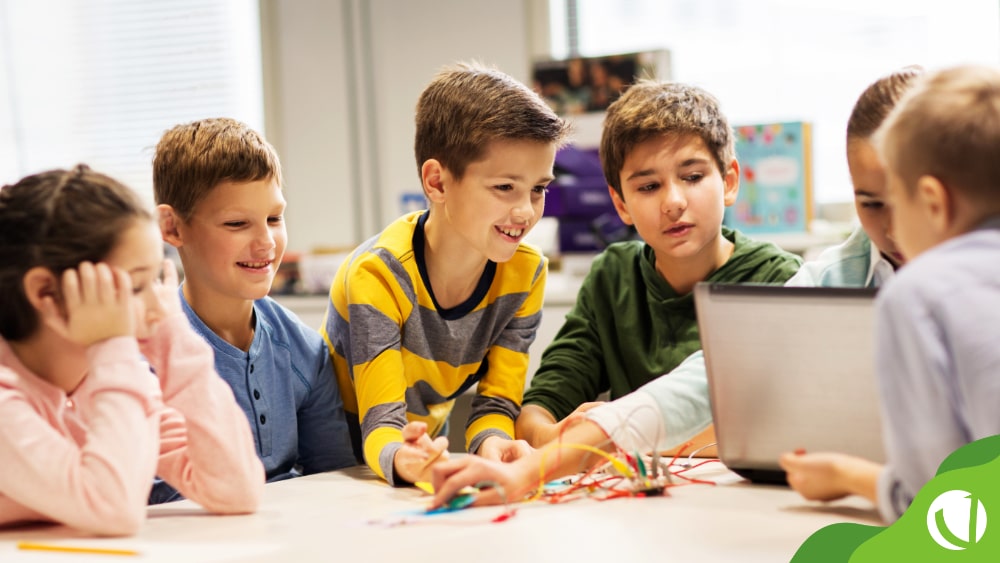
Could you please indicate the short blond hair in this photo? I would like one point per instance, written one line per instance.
(468, 105)
(193, 158)
(651, 109)
(948, 127)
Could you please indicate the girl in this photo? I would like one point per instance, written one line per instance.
(86, 423)
(856, 262)
(869, 257)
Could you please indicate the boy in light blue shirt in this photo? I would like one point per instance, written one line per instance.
(218, 188)
(936, 322)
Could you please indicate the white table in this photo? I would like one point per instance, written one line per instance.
(328, 517)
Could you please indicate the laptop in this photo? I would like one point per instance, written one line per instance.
(789, 368)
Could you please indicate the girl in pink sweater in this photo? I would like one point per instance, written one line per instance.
(85, 323)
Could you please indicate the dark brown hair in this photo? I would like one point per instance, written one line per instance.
(651, 109)
(56, 220)
(467, 106)
(193, 158)
(878, 99)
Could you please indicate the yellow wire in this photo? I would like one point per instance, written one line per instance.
(615, 462)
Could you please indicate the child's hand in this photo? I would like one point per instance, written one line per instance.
(830, 476)
(501, 449)
(508, 482)
(96, 304)
(418, 453)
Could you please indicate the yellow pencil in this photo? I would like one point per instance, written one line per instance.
(75, 549)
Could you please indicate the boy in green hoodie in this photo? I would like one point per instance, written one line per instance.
(668, 156)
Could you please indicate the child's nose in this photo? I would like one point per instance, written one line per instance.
(524, 211)
(673, 202)
(265, 239)
(153, 309)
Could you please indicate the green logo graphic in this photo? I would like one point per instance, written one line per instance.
(956, 519)
(946, 521)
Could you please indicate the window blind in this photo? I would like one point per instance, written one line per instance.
(100, 81)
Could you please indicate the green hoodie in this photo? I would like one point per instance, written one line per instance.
(629, 326)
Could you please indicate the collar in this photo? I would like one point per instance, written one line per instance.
(880, 270)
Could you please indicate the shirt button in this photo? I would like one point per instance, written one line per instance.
(263, 419)
(256, 394)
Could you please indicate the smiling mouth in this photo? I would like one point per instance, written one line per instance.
(513, 233)
(254, 265)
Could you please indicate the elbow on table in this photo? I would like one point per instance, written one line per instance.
(235, 495)
(116, 522)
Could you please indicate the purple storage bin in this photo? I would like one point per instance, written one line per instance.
(582, 198)
(591, 235)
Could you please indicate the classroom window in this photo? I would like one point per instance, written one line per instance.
(786, 60)
(99, 81)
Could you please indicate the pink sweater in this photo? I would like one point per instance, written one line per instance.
(87, 460)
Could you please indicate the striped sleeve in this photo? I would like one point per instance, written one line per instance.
(498, 397)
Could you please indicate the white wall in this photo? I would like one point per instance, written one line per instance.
(342, 79)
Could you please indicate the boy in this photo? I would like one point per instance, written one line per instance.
(668, 156)
(451, 297)
(936, 325)
(217, 185)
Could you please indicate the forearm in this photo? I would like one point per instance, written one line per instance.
(572, 453)
(207, 450)
(860, 477)
(534, 425)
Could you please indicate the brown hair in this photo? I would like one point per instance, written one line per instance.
(193, 158)
(878, 99)
(56, 220)
(467, 106)
(650, 109)
(948, 126)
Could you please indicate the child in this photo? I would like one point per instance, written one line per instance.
(853, 263)
(451, 297)
(86, 424)
(936, 353)
(218, 186)
(668, 156)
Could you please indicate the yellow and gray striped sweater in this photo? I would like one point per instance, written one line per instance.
(399, 357)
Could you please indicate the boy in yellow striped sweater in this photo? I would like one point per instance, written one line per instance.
(449, 298)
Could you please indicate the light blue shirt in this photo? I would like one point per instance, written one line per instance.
(938, 360)
(849, 264)
(286, 386)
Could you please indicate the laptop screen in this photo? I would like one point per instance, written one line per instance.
(789, 368)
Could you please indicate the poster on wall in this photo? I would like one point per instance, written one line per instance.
(581, 88)
(775, 178)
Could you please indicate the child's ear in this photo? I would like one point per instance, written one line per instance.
(40, 283)
(620, 207)
(937, 202)
(431, 176)
(731, 181)
(169, 221)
